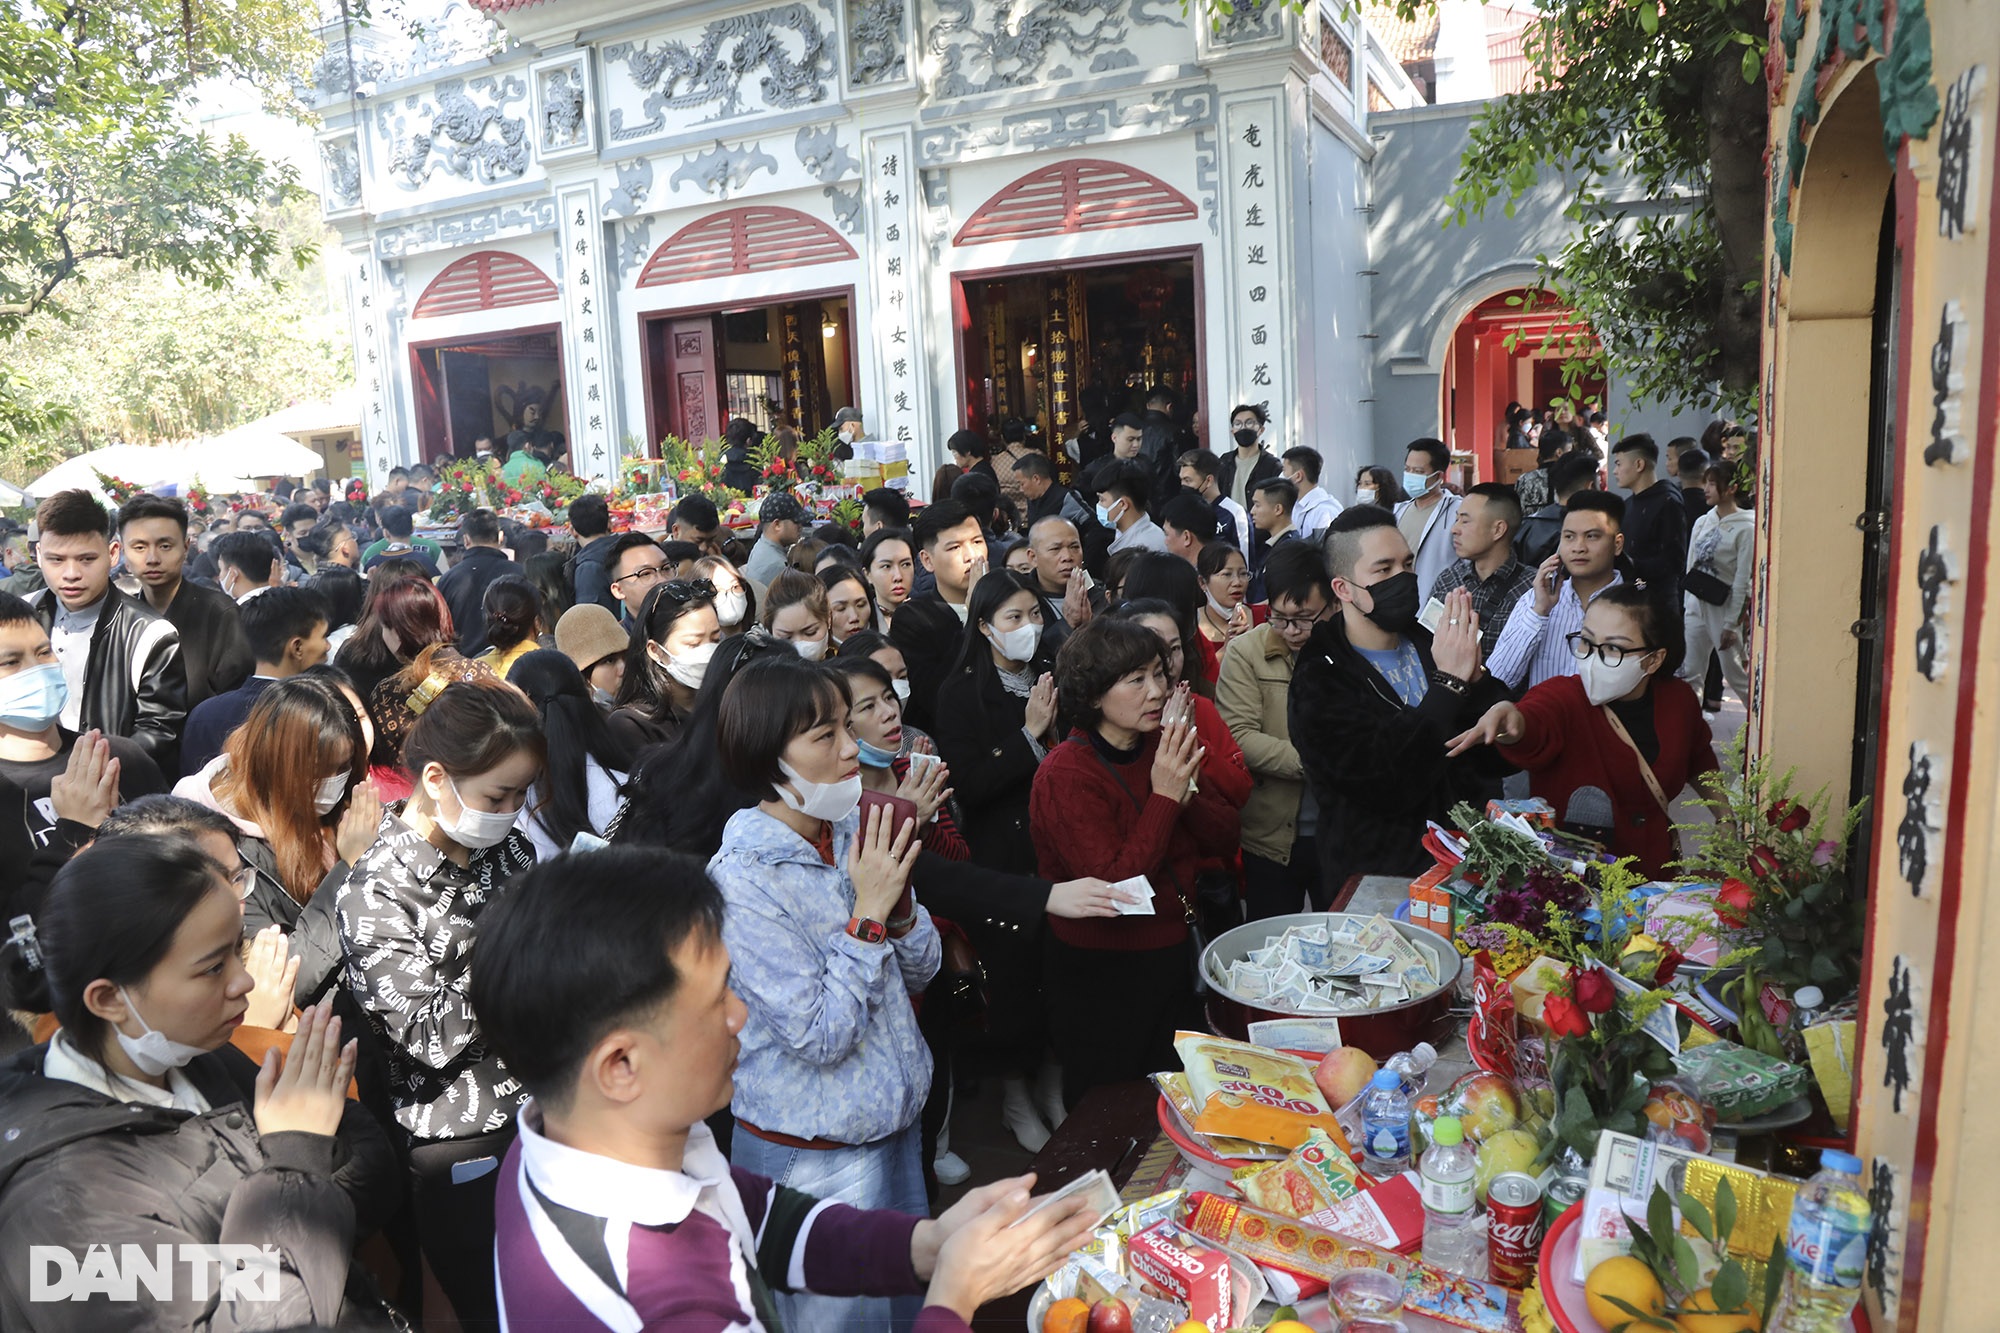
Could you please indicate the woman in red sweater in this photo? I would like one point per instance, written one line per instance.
(1623, 725)
(1121, 798)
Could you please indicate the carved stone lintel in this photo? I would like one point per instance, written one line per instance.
(466, 229)
(460, 135)
(340, 160)
(979, 55)
(710, 73)
(635, 182)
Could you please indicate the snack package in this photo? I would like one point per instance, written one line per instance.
(1174, 1087)
(1677, 1117)
(1195, 1275)
(1533, 809)
(1309, 1254)
(1491, 1035)
(1741, 1084)
(1316, 1176)
(1390, 1216)
(1247, 1092)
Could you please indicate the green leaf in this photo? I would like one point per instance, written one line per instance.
(1660, 1216)
(1697, 1217)
(1639, 1317)
(1731, 1287)
(1649, 17)
(1686, 1263)
(1725, 1211)
(1774, 1278)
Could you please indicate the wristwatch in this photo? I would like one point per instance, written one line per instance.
(867, 930)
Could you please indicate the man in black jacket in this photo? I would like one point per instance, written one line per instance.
(951, 544)
(1248, 463)
(1375, 699)
(122, 662)
(1656, 527)
(1542, 529)
(464, 585)
(152, 533)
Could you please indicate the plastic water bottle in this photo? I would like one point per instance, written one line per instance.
(1385, 1126)
(1808, 1007)
(1453, 1240)
(1828, 1244)
(1413, 1065)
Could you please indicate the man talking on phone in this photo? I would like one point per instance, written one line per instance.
(1535, 644)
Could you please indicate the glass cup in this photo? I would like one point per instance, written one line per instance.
(1367, 1300)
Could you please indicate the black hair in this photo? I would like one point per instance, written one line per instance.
(14, 610)
(974, 655)
(396, 472)
(1503, 502)
(1292, 570)
(1035, 465)
(74, 513)
(1571, 471)
(644, 685)
(1434, 449)
(396, 520)
(969, 443)
(526, 543)
(1306, 459)
(1550, 447)
(574, 730)
(938, 518)
(112, 912)
(589, 515)
(146, 505)
(891, 506)
(1127, 483)
(623, 542)
(698, 512)
(834, 575)
(1128, 421)
(862, 666)
(580, 946)
(841, 553)
(273, 619)
(1161, 393)
(1203, 461)
(978, 493)
(1641, 444)
(1602, 502)
(512, 608)
(295, 512)
(471, 728)
(1283, 491)
(159, 812)
(881, 535)
(1660, 624)
(480, 525)
(1191, 514)
(770, 702)
(866, 643)
(1214, 558)
(249, 553)
(1254, 409)
(549, 572)
(679, 796)
(1342, 542)
(1389, 490)
(1014, 430)
(1170, 581)
(1096, 657)
(675, 553)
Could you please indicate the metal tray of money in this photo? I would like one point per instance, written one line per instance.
(1381, 1032)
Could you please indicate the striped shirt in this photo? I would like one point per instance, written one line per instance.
(1534, 648)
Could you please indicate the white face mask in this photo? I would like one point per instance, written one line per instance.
(689, 668)
(154, 1053)
(1365, 495)
(475, 829)
(902, 689)
(1602, 684)
(831, 801)
(730, 606)
(31, 699)
(1018, 643)
(330, 792)
(810, 649)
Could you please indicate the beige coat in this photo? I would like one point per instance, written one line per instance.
(1252, 687)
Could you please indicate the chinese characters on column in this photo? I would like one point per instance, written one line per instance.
(380, 445)
(586, 339)
(895, 298)
(1256, 241)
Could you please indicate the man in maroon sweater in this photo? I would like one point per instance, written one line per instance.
(602, 980)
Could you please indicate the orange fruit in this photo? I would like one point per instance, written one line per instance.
(1698, 1316)
(1283, 1326)
(1630, 1281)
(1191, 1326)
(1068, 1315)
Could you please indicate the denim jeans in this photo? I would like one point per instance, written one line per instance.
(888, 1173)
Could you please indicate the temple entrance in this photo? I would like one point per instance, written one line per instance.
(790, 364)
(484, 386)
(1510, 348)
(1042, 345)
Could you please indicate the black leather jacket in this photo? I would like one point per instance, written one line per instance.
(135, 685)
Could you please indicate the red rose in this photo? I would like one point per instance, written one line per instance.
(1593, 990)
(1763, 861)
(1670, 963)
(1564, 1018)
(1788, 819)
(1733, 903)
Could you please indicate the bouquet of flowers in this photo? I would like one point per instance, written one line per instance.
(197, 501)
(117, 488)
(693, 469)
(356, 491)
(465, 484)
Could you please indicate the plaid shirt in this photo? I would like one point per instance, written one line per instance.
(1492, 599)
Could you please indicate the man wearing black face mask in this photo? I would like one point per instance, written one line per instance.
(1374, 701)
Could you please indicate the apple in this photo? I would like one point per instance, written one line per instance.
(1485, 1103)
(1111, 1315)
(1509, 1150)
(1343, 1075)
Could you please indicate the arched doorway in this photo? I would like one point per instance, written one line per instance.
(1511, 348)
(469, 386)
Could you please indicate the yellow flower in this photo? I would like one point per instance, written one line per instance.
(1535, 1316)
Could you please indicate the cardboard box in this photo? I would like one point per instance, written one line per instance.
(1196, 1276)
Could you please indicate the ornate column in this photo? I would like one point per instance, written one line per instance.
(902, 373)
(384, 442)
(1257, 205)
(594, 424)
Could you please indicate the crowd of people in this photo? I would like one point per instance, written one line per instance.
(635, 907)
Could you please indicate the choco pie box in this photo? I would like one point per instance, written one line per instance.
(1195, 1275)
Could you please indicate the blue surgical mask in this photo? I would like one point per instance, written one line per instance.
(1416, 483)
(1104, 515)
(874, 756)
(33, 698)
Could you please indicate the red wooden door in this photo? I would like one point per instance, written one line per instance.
(693, 380)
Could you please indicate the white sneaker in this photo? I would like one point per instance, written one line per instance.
(951, 1169)
(1018, 1114)
(1048, 1095)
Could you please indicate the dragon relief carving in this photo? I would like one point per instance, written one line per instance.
(875, 42)
(461, 136)
(711, 72)
(1014, 57)
(342, 160)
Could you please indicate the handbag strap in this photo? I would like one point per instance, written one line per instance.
(1645, 768)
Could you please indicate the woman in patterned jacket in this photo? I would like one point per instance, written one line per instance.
(408, 913)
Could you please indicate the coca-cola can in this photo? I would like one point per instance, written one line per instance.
(1513, 1228)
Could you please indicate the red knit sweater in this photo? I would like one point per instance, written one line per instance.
(1569, 744)
(1092, 816)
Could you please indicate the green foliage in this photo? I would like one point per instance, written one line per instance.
(1667, 98)
(1496, 856)
(1659, 1244)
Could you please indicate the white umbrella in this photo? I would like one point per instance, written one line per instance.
(12, 495)
(255, 450)
(141, 464)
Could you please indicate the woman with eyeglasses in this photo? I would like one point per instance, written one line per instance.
(1225, 582)
(676, 635)
(1612, 746)
(735, 599)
